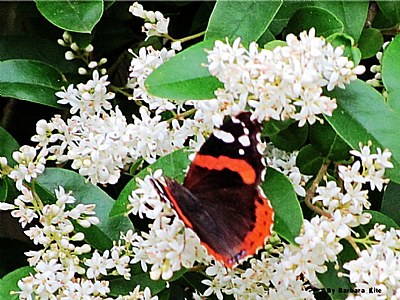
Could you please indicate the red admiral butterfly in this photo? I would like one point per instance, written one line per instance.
(220, 198)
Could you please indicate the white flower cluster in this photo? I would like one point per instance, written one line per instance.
(286, 163)
(288, 275)
(81, 53)
(155, 23)
(60, 270)
(30, 165)
(378, 266)
(169, 245)
(98, 140)
(142, 65)
(282, 83)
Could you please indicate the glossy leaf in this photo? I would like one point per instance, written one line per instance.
(309, 160)
(390, 9)
(184, 76)
(351, 13)
(247, 19)
(390, 203)
(75, 16)
(362, 116)
(370, 42)
(324, 22)
(36, 48)
(173, 166)
(286, 11)
(30, 80)
(328, 142)
(291, 138)
(99, 236)
(378, 218)
(9, 282)
(391, 73)
(7, 146)
(121, 286)
(288, 215)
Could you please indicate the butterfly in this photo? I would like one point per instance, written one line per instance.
(221, 199)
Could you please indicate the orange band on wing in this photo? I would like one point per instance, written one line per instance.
(240, 166)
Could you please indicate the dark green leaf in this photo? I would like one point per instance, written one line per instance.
(324, 22)
(7, 146)
(309, 160)
(391, 10)
(391, 73)
(265, 38)
(362, 116)
(36, 48)
(273, 126)
(291, 138)
(328, 142)
(370, 42)
(286, 11)
(30, 80)
(184, 76)
(288, 214)
(246, 19)
(173, 166)
(352, 14)
(391, 202)
(99, 236)
(121, 286)
(9, 282)
(378, 218)
(75, 16)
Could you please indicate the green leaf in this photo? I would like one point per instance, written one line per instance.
(309, 160)
(274, 126)
(391, 73)
(9, 282)
(391, 10)
(362, 116)
(273, 44)
(75, 16)
(30, 80)
(36, 48)
(288, 215)
(7, 146)
(290, 139)
(121, 286)
(378, 218)
(370, 42)
(328, 142)
(247, 20)
(173, 166)
(99, 236)
(351, 13)
(286, 11)
(390, 202)
(184, 76)
(324, 22)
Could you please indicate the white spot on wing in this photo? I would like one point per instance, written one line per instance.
(260, 149)
(244, 140)
(241, 151)
(246, 131)
(235, 120)
(226, 137)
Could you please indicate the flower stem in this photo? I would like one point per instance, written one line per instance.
(311, 191)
